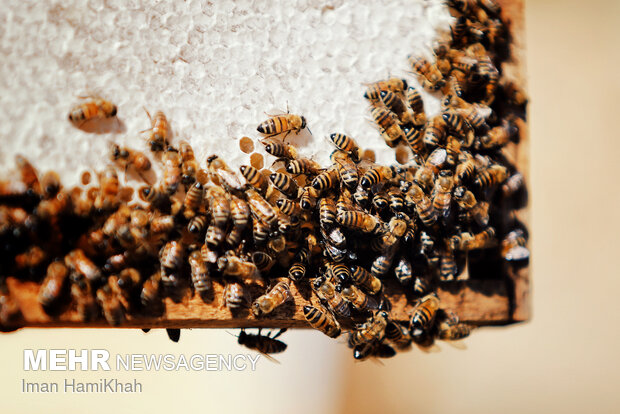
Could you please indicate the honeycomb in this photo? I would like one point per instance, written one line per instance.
(212, 67)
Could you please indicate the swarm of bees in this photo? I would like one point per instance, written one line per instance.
(342, 232)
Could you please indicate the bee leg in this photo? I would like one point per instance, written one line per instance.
(147, 114)
(279, 333)
(173, 334)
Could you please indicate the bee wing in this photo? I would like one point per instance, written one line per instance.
(460, 344)
(433, 349)
(517, 253)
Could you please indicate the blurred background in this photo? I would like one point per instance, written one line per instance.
(564, 360)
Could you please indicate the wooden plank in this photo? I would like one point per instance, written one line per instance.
(480, 303)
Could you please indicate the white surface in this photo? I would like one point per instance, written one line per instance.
(213, 68)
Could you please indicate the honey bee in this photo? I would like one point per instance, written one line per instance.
(308, 197)
(373, 349)
(423, 206)
(398, 335)
(288, 207)
(209, 256)
(428, 74)
(424, 312)
(154, 195)
(448, 268)
(172, 172)
(82, 265)
(200, 274)
(53, 285)
(380, 201)
(514, 94)
(150, 294)
(234, 266)
(82, 295)
(513, 247)
(467, 201)
(458, 30)
(280, 149)
(254, 177)
(346, 168)
(297, 271)
(326, 180)
(263, 261)
(171, 256)
(234, 295)
(126, 157)
(225, 176)
(263, 344)
(265, 304)
(361, 196)
(359, 299)
(192, 202)
(162, 224)
(347, 144)
(452, 330)
(456, 123)
(189, 165)
(421, 285)
(261, 208)
(453, 149)
(443, 193)
(282, 124)
(491, 176)
(10, 312)
(435, 131)
(285, 184)
(365, 279)
(50, 184)
(218, 205)
(124, 285)
(31, 258)
(393, 84)
(465, 168)
(396, 200)
(109, 187)
(322, 320)
(94, 108)
(326, 291)
(382, 263)
(390, 129)
(491, 6)
(115, 263)
(376, 176)
(357, 220)
(215, 236)
(260, 231)
(111, 306)
(468, 241)
(396, 104)
(415, 139)
(415, 102)
(372, 330)
(240, 213)
(403, 271)
(158, 134)
(498, 136)
(513, 184)
(51, 208)
(302, 166)
(28, 174)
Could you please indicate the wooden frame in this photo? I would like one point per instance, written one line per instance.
(492, 302)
